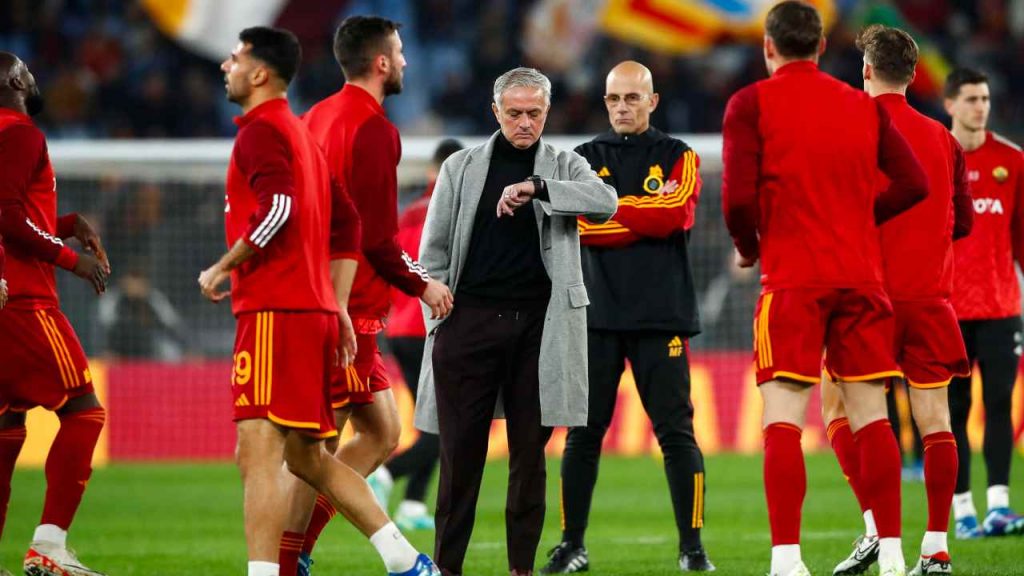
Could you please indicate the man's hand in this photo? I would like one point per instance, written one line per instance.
(514, 196)
(90, 240)
(346, 339)
(3, 294)
(439, 298)
(744, 262)
(92, 270)
(210, 279)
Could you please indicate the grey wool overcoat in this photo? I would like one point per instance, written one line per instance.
(573, 190)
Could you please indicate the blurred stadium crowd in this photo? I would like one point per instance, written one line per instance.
(108, 72)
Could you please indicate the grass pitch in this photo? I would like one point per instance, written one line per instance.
(187, 520)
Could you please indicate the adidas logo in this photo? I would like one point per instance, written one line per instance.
(242, 401)
(603, 172)
(675, 347)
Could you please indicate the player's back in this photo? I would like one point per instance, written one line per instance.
(292, 271)
(31, 282)
(917, 246)
(820, 146)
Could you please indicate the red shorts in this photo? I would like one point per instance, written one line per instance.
(366, 375)
(41, 361)
(929, 347)
(283, 367)
(793, 326)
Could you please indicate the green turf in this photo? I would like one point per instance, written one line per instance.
(186, 519)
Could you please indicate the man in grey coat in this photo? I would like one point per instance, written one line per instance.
(501, 232)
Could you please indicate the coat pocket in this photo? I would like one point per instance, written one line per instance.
(578, 296)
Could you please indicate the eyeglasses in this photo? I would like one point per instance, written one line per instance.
(631, 99)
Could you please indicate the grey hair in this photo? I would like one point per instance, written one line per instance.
(522, 78)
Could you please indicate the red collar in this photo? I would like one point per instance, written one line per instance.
(270, 106)
(360, 93)
(797, 66)
(15, 114)
(891, 98)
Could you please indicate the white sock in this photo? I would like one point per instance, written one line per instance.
(998, 496)
(963, 506)
(51, 534)
(384, 475)
(264, 569)
(933, 543)
(784, 559)
(396, 552)
(869, 524)
(411, 508)
(890, 552)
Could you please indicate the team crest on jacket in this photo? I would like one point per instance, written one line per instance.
(1000, 173)
(655, 180)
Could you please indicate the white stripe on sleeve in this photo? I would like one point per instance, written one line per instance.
(279, 213)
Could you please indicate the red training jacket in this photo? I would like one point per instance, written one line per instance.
(801, 152)
(281, 202)
(363, 149)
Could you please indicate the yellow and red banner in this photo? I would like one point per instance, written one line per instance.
(682, 26)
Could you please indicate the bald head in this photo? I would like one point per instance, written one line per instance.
(630, 98)
(632, 73)
(18, 90)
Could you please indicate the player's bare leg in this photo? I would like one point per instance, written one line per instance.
(348, 492)
(259, 455)
(930, 407)
(785, 478)
(833, 414)
(880, 466)
(68, 468)
(377, 427)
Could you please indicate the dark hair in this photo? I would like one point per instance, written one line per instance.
(276, 47)
(795, 28)
(957, 78)
(358, 40)
(891, 52)
(446, 148)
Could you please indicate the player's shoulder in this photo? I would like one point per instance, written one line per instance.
(1004, 144)
(24, 131)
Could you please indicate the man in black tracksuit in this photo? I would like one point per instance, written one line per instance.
(643, 308)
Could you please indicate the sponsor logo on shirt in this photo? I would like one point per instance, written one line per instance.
(988, 206)
(973, 175)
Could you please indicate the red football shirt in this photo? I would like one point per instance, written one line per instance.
(917, 246)
(279, 198)
(985, 284)
(28, 215)
(363, 149)
(801, 153)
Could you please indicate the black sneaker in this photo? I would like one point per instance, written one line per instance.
(695, 561)
(564, 559)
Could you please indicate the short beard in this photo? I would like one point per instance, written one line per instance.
(393, 85)
(34, 104)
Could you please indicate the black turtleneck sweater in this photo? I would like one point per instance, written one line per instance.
(504, 262)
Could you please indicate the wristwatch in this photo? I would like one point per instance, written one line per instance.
(538, 183)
